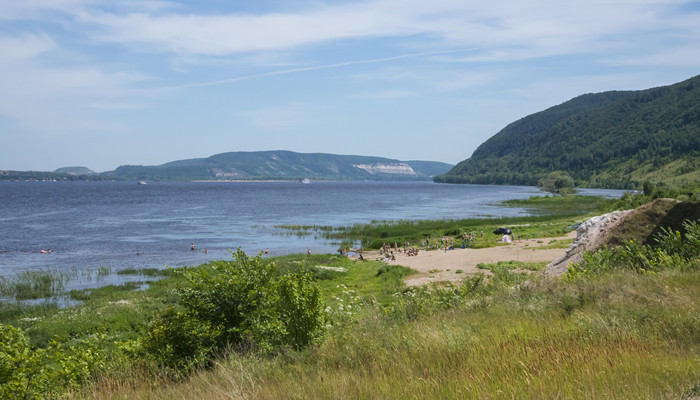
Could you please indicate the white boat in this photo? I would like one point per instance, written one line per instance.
(305, 181)
(141, 183)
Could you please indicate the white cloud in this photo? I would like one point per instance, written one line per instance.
(20, 49)
(54, 99)
(508, 28)
(69, 63)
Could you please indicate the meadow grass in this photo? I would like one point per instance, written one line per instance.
(621, 336)
(125, 311)
(550, 216)
(371, 280)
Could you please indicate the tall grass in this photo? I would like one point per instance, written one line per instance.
(375, 234)
(34, 284)
(622, 336)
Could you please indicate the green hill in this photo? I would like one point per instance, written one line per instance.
(285, 165)
(75, 171)
(612, 139)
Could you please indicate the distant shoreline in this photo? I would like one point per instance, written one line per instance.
(257, 180)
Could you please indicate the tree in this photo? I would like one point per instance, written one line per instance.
(559, 182)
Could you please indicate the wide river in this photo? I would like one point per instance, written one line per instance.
(88, 225)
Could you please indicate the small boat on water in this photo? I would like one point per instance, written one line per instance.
(305, 181)
(141, 183)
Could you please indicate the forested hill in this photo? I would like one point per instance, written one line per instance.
(612, 139)
(285, 165)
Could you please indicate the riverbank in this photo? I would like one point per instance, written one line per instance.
(488, 336)
(454, 265)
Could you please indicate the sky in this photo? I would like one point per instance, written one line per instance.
(103, 83)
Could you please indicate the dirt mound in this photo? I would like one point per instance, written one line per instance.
(614, 228)
(590, 236)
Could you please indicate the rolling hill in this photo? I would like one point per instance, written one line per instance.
(616, 139)
(284, 165)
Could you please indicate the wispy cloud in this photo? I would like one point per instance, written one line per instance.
(82, 65)
(540, 24)
(313, 68)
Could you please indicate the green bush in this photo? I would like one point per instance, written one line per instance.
(301, 309)
(182, 340)
(557, 182)
(672, 250)
(30, 373)
(686, 245)
(245, 305)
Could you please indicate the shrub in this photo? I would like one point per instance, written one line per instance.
(245, 304)
(686, 245)
(301, 309)
(28, 373)
(671, 250)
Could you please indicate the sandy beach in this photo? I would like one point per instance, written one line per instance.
(444, 264)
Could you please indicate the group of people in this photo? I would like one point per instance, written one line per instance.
(412, 252)
(390, 252)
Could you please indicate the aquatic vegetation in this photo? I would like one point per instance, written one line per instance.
(34, 284)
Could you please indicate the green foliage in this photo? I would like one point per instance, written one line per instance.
(672, 250)
(686, 245)
(32, 373)
(612, 139)
(182, 340)
(33, 284)
(629, 200)
(244, 304)
(301, 309)
(554, 215)
(559, 182)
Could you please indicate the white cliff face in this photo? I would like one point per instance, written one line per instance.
(397, 168)
(219, 173)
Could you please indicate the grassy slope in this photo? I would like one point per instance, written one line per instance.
(622, 336)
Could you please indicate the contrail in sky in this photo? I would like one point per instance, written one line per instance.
(314, 68)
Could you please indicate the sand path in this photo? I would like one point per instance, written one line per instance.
(444, 264)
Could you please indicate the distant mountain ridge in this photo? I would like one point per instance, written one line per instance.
(75, 171)
(282, 164)
(615, 139)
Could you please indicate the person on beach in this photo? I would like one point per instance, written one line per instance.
(267, 251)
(308, 251)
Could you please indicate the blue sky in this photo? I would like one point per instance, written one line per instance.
(100, 83)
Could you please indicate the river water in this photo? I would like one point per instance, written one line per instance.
(88, 225)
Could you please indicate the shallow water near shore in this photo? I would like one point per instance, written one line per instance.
(118, 225)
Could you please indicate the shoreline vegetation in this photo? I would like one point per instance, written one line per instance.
(623, 324)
